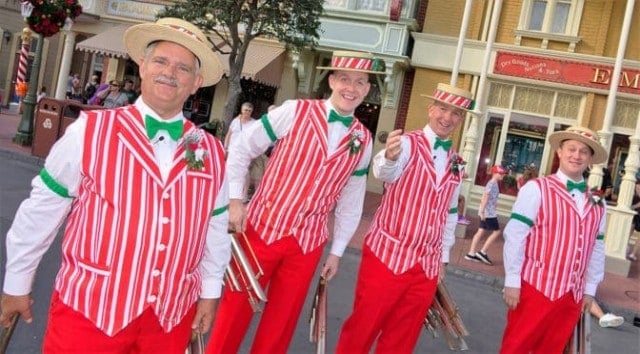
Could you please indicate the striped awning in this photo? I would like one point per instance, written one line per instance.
(263, 63)
(108, 43)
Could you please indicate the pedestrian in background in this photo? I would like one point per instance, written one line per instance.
(488, 214)
(319, 164)
(112, 97)
(129, 91)
(554, 249)
(412, 232)
(144, 198)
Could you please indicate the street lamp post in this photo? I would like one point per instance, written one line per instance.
(25, 128)
(24, 135)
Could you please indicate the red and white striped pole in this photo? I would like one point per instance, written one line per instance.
(24, 56)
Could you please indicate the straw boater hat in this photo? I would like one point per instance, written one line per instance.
(137, 38)
(355, 61)
(453, 96)
(583, 135)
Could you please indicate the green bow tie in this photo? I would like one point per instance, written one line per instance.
(581, 186)
(335, 117)
(444, 144)
(153, 125)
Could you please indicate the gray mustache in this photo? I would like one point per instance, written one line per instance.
(165, 80)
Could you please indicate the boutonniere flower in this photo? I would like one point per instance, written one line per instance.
(355, 142)
(596, 197)
(194, 153)
(457, 164)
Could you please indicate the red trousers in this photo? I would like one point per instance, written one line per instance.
(539, 325)
(69, 332)
(288, 272)
(387, 306)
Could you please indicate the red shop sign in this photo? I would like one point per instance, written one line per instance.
(565, 71)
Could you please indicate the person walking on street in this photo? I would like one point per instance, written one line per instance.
(408, 242)
(554, 249)
(144, 196)
(319, 163)
(488, 217)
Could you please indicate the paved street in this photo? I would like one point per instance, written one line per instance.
(477, 295)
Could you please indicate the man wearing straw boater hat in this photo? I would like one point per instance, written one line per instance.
(412, 231)
(319, 163)
(143, 194)
(554, 249)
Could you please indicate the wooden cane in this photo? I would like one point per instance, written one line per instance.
(318, 317)
(5, 335)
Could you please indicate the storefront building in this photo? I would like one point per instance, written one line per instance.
(270, 75)
(537, 67)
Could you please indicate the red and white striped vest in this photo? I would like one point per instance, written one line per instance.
(302, 182)
(560, 242)
(409, 224)
(133, 241)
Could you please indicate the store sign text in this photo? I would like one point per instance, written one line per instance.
(565, 72)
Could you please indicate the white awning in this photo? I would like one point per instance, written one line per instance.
(107, 43)
(263, 63)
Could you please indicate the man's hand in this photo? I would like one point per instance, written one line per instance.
(237, 215)
(330, 267)
(12, 305)
(393, 146)
(205, 313)
(511, 297)
(587, 302)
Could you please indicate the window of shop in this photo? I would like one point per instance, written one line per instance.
(516, 131)
(627, 113)
(550, 20)
(551, 16)
(366, 5)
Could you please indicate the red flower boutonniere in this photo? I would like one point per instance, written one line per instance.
(194, 153)
(355, 142)
(596, 197)
(457, 164)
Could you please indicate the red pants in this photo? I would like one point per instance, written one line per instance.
(288, 272)
(70, 332)
(539, 325)
(391, 306)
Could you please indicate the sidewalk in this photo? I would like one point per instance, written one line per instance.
(619, 293)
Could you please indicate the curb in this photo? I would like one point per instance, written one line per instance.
(20, 156)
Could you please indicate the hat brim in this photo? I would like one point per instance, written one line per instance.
(348, 69)
(137, 38)
(599, 153)
(449, 104)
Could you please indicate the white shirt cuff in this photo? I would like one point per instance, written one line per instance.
(590, 289)
(211, 289)
(513, 281)
(17, 284)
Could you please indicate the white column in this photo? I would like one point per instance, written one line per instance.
(469, 152)
(619, 217)
(461, 39)
(65, 65)
(605, 134)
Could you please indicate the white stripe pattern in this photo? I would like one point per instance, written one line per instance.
(409, 224)
(302, 182)
(132, 241)
(560, 242)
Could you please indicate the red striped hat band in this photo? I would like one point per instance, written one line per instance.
(452, 99)
(351, 63)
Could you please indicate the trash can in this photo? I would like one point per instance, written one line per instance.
(70, 113)
(46, 126)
